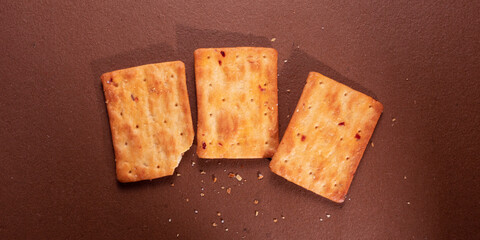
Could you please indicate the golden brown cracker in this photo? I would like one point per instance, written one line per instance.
(237, 102)
(150, 119)
(326, 137)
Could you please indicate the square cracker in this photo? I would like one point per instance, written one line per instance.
(237, 102)
(326, 137)
(150, 119)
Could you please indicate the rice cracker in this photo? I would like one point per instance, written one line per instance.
(237, 102)
(326, 137)
(150, 119)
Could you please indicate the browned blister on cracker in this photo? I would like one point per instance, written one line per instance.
(150, 119)
(326, 137)
(237, 102)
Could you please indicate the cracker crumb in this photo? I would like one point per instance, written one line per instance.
(202, 194)
(193, 164)
(222, 187)
(256, 213)
(214, 224)
(283, 217)
(321, 219)
(328, 215)
(288, 90)
(238, 177)
(195, 211)
(226, 229)
(187, 200)
(178, 174)
(275, 220)
(202, 172)
(394, 119)
(169, 220)
(229, 190)
(214, 179)
(219, 214)
(222, 221)
(404, 177)
(259, 175)
(285, 60)
(178, 234)
(408, 202)
(373, 145)
(273, 39)
(288, 116)
(173, 184)
(231, 174)
(255, 201)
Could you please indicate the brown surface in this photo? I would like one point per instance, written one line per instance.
(237, 102)
(419, 58)
(325, 140)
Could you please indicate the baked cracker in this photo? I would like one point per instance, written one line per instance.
(150, 119)
(326, 137)
(237, 102)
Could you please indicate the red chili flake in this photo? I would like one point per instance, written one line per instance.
(303, 137)
(357, 136)
(204, 145)
(341, 124)
(220, 144)
(223, 53)
(220, 62)
(261, 89)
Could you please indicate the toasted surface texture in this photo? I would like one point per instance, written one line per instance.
(150, 119)
(237, 102)
(326, 138)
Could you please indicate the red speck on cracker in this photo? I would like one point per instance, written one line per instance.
(303, 137)
(204, 145)
(261, 89)
(357, 136)
(223, 53)
(341, 124)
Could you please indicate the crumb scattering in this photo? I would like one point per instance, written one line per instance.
(238, 177)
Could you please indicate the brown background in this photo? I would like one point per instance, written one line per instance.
(419, 58)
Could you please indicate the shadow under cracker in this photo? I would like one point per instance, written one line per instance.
(293, 77)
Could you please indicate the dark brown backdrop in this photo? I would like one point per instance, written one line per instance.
(419, 58)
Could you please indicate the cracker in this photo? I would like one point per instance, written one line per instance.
(326, 137)
(237, 102)
(150, 119)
